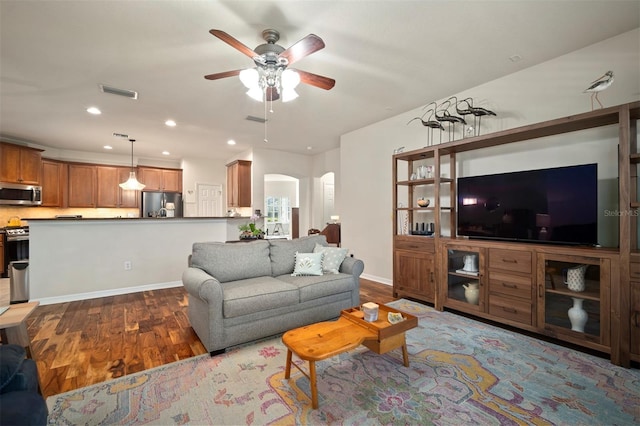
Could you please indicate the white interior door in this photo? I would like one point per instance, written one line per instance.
(209, 199)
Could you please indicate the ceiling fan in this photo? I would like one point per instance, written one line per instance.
(271, 78)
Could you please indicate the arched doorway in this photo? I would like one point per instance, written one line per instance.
(281, 194)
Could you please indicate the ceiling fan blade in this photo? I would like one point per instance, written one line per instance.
(231, 41)
(222, 75)
(306, 46)
(325, 83)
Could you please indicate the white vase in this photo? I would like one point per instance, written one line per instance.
(471, 293)
(577, 315)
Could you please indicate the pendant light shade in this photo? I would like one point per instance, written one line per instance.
(132, 183)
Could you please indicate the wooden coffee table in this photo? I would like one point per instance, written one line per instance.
(13, 325)
(323, 340)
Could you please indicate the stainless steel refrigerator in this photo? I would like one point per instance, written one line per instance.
(159, 204)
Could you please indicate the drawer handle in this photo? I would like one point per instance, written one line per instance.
(509, 285)
(510, 310)
(540, 291)
(637, 319)
(431, 275)
(509, 261)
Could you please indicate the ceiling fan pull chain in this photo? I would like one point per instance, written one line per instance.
(265, 117)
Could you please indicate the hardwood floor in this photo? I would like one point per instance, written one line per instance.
(77, 344)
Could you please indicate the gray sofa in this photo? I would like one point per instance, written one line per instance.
(239, 292)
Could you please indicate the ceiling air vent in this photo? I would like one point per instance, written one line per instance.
(256, 119)
(120, 92)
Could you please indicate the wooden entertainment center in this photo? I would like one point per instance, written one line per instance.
(522, 284)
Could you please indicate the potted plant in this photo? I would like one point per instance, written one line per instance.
(249, 231)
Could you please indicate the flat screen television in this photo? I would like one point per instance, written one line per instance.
(556, 205)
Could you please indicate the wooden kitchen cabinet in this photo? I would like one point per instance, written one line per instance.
(239, 184)
(54, 182)
(82, 185)
(157, 179)
(20, 164)
(109, 193)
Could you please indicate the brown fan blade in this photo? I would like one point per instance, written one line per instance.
(272, 94)
(231, 41)
(306, 46)
(325, 83)
(222, 75)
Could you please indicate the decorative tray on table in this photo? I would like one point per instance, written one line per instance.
(381, 326)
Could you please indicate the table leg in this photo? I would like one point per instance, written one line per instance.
(19, 335)
(312, 381)
(287, 371)
(405, 355)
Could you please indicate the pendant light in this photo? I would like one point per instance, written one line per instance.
(132, 183)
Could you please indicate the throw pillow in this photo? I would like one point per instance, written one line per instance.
(308, 264)
(333, 257)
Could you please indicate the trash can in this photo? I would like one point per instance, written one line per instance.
(19, 281)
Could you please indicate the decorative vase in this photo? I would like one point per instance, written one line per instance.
(577, 315)
(471, 293)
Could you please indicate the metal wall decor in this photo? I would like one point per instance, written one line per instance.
(439, 115)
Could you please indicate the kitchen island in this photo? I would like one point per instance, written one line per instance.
(76, 259)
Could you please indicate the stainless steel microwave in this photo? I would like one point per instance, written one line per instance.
(20, 195)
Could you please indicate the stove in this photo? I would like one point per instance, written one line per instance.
(16, 233)
(15, 247)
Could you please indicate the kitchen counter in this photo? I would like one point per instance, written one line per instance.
(75, 259)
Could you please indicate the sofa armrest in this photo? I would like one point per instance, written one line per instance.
(202, 285)
(353, 266)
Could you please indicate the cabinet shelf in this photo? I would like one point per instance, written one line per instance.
(417, 182)
(586, 295)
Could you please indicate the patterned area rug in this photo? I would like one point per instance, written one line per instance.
(462, 372)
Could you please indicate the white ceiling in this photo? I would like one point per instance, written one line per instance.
(387, 57)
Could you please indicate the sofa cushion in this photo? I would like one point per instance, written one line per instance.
(308, 264)
(232, 261)
(332, 259)
(252, 295)
(283, 252)
(314, 287)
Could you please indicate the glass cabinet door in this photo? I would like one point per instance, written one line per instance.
(465, 284)
(570, 297)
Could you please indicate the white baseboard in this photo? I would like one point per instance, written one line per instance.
(157, 286)
(377, 279)
(105, 293)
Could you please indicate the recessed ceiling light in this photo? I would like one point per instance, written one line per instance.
(515, 58)
(107, 147)
(170, 123)
(309, 148)
(231, 142)
(94, 111)
(166, 153)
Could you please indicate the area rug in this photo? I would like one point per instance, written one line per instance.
(461, 372)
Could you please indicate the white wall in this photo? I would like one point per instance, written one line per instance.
(74, 260)
(201, 170)
(543, 92)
